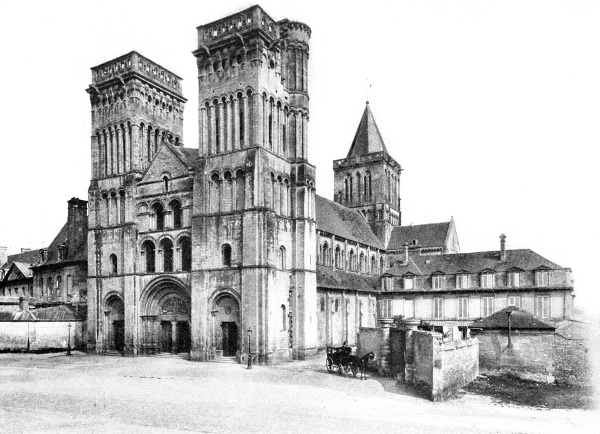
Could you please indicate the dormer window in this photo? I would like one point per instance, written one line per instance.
(487, 279)
(437, 281)
(409, 282)
(43, 255)
(542, 278)
(514, 279)
(388, 283)
(462, 281)
(62, 252)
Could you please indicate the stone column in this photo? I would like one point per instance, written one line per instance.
(236, 124)
(227, 106)
(246, 122)
(410, 325)
(119, 148)
(174, 348)
(384, 358)
(201, 127)
(221, 145)
(258, 119)
(213, 129)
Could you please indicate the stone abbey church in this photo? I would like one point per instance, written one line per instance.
(211, 248)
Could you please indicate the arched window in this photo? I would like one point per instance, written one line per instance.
(121, 206)
(49, 286)
(362, 262)
(149, 251)
(58, 287)
(159, 214)
(381, 265)
(214, 192)
(186, 254)
(373, 265)
(324, 257)
(240, 190)
(370, 188)
(282, 259)
(113, 264)
(358, 189)
(176, 209)
(217, 126)
(166, 183)
(241, 118)
(283, 318)
(226, 255)
(352, 265)
(167, 248)
(338, 257)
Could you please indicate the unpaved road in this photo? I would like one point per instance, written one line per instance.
(55, 393)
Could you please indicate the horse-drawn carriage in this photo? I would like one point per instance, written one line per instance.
(342, 359)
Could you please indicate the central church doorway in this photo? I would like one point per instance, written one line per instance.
(166, 318)
(230, 338)
(114, 325)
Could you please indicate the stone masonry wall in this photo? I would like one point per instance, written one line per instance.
(572, 361)
(42, 335)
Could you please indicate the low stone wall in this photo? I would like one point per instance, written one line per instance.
(530, 357)
(439, 368)
(572, 361)
(42, 335)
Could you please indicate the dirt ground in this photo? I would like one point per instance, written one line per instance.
(99, 394)
(513, 390)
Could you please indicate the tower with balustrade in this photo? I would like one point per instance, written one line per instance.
(254, 229)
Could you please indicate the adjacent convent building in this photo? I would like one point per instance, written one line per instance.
(206, 248)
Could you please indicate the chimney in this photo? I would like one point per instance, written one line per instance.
(3, 255)
(503, 248)
(24, 303)
(405, 254)
(24, 249)
(76, 224)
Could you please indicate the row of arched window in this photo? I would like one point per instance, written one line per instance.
(353, 262)
(163, 218)
(169, 258)
(112, 208)
(233, 122)
(114, 146)
(227, 193)
(358, 188)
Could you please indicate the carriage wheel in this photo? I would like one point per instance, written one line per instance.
(329, 364)
(340, 369)
(354, 369)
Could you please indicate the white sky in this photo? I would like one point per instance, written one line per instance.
(491, 108)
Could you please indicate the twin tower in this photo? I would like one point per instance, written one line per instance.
(200, 249)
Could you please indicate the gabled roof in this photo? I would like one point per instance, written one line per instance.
(30, 257)
(186, 155)
(519, 320)
(476, 262)
(340, 279)
(426, 235)
(18, 271)
(344, 222)
(168, 156)
(367, 139)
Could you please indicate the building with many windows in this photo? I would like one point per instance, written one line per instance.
(205, 249)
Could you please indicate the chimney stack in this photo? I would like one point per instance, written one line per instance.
(76, 224)
(3, 255)
(503, 248)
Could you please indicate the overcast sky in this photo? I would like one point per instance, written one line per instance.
(491, 107)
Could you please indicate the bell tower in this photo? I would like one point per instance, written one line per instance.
(368, 179)
(255, 189)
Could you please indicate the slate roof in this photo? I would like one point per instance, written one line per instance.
(427, 235)
(367, 139)
(453, 263)
(344, 280)
(23, 269)
(519, 320)
(186, 155)
(347, 223)
(28, 257)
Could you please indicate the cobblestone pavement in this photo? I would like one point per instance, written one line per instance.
(56, 393)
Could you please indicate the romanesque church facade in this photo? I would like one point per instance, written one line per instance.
(208, 249)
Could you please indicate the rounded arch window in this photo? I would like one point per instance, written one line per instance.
(159, 213)
(186, 254)
(226, 255)
(149, 251)
(177, 214)
(167, 251)
(113, 264)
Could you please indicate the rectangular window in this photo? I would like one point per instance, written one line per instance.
(462, 281)
(514, 279)
(409, 308)
(409, 282)
(487, 280)
(542, 306)
(514, 300)
(437, 281)
(487, 306)
(385, 308)
(438, 308)
(542, 278)
(463, 307)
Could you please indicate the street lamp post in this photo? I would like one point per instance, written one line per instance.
(69, 342)
(249, 354)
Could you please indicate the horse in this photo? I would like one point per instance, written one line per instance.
(362, 363)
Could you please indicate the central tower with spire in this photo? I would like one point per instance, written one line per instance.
(368, 179)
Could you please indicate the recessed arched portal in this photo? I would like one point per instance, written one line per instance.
(165, 317)
(226, 327)
(114, 324)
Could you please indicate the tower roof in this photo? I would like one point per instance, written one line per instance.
(367, 139)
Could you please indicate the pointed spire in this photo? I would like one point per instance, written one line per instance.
(367, 139)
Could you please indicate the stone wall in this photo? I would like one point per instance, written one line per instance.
(531, 355)
(572, 361)
(43, 335)
(370, 339)
(439, 368)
